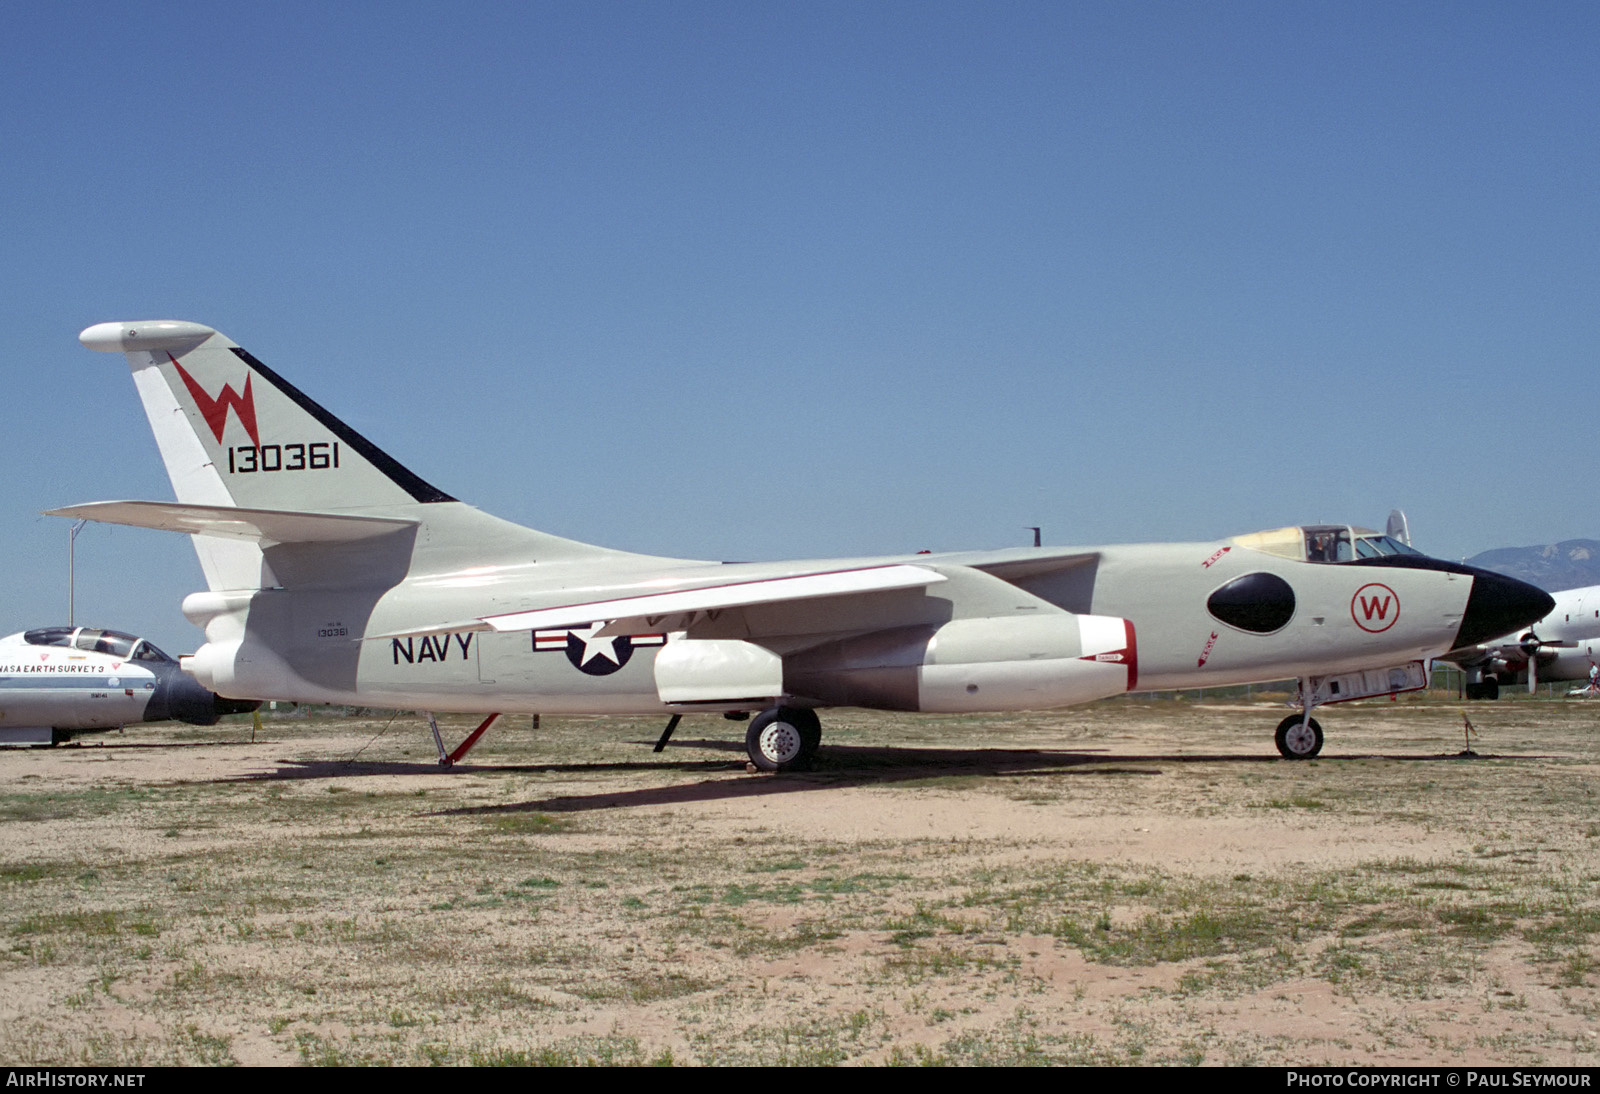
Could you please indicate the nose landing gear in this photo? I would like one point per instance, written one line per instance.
(1299, 737)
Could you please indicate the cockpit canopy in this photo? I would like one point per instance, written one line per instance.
(127, 646)
(1324, 543)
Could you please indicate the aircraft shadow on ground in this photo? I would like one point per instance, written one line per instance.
(847, 766)
(837, 767)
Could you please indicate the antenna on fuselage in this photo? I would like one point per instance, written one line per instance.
(1398, 527)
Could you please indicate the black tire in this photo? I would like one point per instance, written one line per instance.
(810, 727)
(1295, 742)
(1488, 689)
(782, 738)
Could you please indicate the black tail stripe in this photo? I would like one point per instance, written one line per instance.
(376, 456)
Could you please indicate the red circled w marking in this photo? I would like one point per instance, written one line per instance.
(1375, 608)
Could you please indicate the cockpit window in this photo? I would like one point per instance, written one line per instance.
(144, 651)
(112, 642)
(48, 636)
(1376, 546)
(1328, 544)
(94, 640)
(1324, 543)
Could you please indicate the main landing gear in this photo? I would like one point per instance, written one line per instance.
(783, 738)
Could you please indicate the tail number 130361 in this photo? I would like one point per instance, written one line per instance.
(247, 458)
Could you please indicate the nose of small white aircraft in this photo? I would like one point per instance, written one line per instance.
(181, 696)
(1499, 605)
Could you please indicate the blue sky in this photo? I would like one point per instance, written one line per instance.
(756, 280)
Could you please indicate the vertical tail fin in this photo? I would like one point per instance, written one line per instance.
(233, 432)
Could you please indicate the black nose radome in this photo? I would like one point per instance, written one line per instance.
(1499, 605)
(179, 696)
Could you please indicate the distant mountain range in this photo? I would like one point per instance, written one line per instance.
(1556, 566)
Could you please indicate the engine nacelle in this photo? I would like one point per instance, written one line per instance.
(969, 665)
(1571, 662)
(232, 663)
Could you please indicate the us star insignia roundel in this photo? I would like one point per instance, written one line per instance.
(595, 656)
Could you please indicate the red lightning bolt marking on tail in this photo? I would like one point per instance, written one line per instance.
(215, 411)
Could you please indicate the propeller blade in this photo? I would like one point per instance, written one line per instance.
(1531, 645)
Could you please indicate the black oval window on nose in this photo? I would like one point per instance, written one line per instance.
(1261, 603)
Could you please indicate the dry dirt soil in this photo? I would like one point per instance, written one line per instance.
(1130, 882)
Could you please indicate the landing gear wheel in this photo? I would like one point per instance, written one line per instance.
(782, 738)
(1298, 737)
(810, 727)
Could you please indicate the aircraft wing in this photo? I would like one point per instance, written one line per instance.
(1031, 564)
(264, 526)
(672, 610)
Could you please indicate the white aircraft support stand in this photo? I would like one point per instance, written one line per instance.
(433, 724)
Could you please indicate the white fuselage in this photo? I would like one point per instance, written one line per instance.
(312, 646)
(55, 688)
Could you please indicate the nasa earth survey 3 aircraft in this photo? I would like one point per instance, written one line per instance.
(56, 682)
(338, 576)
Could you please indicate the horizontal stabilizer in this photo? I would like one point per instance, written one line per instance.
(263, 526)
(652, 611)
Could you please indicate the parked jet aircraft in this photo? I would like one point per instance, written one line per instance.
(1564, 645)
(338, 576)
(56, 682)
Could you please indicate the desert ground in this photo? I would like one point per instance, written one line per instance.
(1135, 881)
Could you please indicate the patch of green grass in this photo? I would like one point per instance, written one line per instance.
(1477, 923)
(74, 804)
(26, 871)
(640, 987)
(574, 1052)
(207, 1049)
(921, 922)
(1158, 938)
(83, 924)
